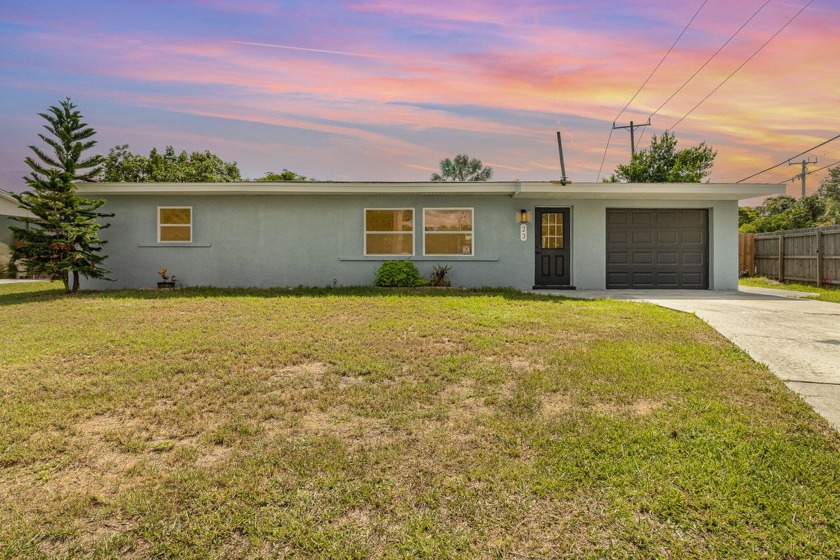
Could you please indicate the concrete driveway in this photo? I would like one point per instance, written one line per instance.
(798, 339)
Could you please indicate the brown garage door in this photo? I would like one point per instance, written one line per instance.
(658, 248)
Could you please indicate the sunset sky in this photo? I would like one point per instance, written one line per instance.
(382, 90)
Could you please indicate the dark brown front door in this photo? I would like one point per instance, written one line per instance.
(552, 248)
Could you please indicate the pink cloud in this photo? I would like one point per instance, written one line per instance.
(761, 115)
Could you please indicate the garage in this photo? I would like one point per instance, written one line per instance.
(658, 248)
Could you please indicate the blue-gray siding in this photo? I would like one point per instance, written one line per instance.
(5, 241)
(272, 240)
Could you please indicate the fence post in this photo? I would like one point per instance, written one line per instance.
(781, 257)
(819, 259)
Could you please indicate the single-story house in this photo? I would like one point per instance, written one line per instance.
(505, 234)
(8, 208)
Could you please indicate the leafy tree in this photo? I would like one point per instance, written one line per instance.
(830, 192)
(286, 175)
(122, 165)
(747, 215)
(830, 185)
(776, 205)
(785, 212)
(62, 239)
(463, 168)
(662, 162)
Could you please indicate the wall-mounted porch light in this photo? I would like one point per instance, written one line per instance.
(523, 217)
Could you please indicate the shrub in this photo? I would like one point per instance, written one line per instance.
(398, 273)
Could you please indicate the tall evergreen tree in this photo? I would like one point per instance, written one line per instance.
(62, 239)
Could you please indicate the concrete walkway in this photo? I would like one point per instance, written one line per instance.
(798, 339)
(18, 280)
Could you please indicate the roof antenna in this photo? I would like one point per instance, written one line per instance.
(563, 179)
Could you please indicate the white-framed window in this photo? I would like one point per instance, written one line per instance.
(448, 231)
(389, 231)
(174, 224)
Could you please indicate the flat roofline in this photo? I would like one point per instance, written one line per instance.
(10, 207)
(514, 189)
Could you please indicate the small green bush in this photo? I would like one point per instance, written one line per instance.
(398, 274)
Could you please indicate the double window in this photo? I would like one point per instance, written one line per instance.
(446, 231)
(174, 224)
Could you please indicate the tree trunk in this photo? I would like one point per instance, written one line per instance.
(75, 281)
(65, 277)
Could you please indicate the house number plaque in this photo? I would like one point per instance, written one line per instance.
(523, 232)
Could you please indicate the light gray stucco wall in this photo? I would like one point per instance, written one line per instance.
(267, 241)
(271, 241)
(589, 239)
(5, 242)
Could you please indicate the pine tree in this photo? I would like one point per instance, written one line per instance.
(62, 240)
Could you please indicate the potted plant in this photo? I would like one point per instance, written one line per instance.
(167, 280)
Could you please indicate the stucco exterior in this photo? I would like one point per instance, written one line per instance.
(8, 208)
(5, 243)
(288, 237)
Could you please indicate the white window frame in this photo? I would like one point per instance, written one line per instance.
(365, 233)
(472, 233)
(192, 220)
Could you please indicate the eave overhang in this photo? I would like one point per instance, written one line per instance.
(514, 189)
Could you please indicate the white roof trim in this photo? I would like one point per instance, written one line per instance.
(650, 191)
(10, 207)
(515, 189)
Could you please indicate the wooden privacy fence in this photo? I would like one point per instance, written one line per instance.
(746, 254)
(804, 255)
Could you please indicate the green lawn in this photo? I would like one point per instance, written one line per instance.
(358, 423)
(824, 293)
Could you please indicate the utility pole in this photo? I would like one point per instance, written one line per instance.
(632, 128)
(804, 164)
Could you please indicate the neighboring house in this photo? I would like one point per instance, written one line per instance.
(584, 235)
(8, 208)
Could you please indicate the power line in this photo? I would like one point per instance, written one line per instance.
(642, 135)
(742, 65)
(829, 152)
(717, 52)
(661, 61)
(790, 158)
(605, 156)
(641, 87)
(798, 175)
